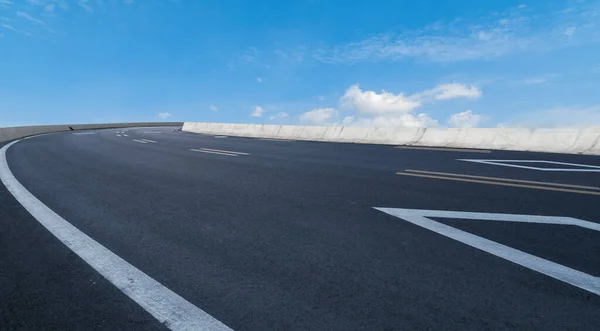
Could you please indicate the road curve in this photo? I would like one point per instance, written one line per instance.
(284, 235)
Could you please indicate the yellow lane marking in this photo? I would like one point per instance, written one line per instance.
(505, 179)
(499, 183)
(211, 152)
(222, 151)
(445, 149)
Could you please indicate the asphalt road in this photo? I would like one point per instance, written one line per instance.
(285, 236)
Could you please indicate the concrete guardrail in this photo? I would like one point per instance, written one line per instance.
(575, 141)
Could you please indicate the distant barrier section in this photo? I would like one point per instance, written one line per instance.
(13, 133)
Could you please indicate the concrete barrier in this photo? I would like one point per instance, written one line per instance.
(18, 132)
(313, 133)
(290, 132)
(269, 131)
(541, 140)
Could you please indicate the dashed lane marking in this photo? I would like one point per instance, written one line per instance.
(139, 141)
(148, 140)
(170, 309)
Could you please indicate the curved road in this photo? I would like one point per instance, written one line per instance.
(283, 235)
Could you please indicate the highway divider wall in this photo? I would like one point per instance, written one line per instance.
(576, 141)
(17, 132)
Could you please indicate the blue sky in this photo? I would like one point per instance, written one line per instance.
(368, 63)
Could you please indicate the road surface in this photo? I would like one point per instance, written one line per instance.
(284, 235)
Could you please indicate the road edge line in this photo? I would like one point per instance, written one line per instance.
(172, 310)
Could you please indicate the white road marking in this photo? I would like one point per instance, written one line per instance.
(140, 141)
(151, 132)
(212, 152)
(118, 135)
(549, 268)
(149, 141)
(444, 149)
(175, 312)
(125, 135)
(221, 137)
(273, 139)
(506, 163)
(223, 151)
(83, 133)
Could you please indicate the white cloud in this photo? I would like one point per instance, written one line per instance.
(570, 31)
(213, 107)
(386, 109)
(28, 17)
(373, 103)
(510, 32)
(450, 91)
(5, 2)
(465, 119)
(319, 116)
(11, 28)
(279, 116)
(535, 80)
(164, 115)
(84, 4)
(258, 112)
(258, 79)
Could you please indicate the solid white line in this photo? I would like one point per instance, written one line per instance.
(211, 152)
(166, 306)
(549, 268)
(148, 140)
(140, 141)
(221, 136)
(223, 151)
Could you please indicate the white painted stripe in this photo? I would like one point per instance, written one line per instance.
(151, 132)
(175, 312)
(221, 136)
(118, 135)
(549, 268)
(140, 141)
(211, 152)
(125, 135)
(223, 151)
(273, 139)
(148, 140)
(506, 163)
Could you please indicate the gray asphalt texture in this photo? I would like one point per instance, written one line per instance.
(286, 238)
